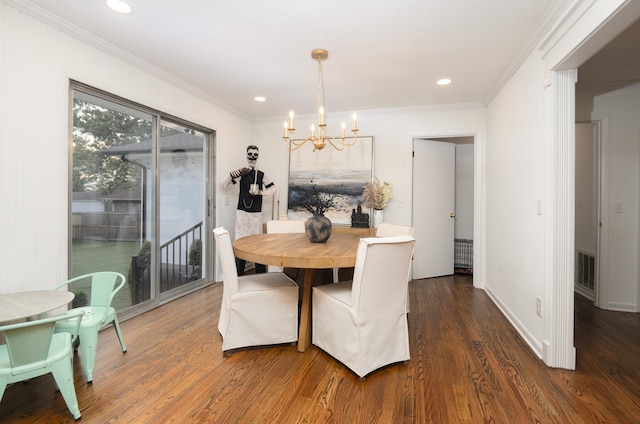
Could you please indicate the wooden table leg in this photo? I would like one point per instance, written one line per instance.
(304, 333)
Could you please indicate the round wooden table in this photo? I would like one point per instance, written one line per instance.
(296, 251)
(26, 304)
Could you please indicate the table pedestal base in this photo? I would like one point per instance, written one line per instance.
(304, 333)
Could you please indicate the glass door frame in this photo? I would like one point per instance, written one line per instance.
(208, 215)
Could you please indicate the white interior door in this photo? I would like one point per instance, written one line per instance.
(433, 207)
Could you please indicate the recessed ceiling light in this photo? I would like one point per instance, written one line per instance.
(260, 99)
(444, 81)
(119, 6)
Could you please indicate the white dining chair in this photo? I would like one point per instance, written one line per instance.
(256, 309)
(391, 230)
(280, 227)
(362, 323)
(285, 226)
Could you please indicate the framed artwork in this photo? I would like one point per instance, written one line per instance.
(335, 177)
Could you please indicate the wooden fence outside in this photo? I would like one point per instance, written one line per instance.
(106, 226)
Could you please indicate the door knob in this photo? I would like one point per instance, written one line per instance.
(452, 215)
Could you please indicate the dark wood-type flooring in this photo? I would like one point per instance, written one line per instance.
(468, 365)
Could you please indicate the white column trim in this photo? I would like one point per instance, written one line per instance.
(558, 349)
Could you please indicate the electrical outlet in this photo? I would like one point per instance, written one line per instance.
(539, 307)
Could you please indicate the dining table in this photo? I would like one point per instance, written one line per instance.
(294, 250)
(22, 305)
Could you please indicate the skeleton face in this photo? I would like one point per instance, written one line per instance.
(252, 156)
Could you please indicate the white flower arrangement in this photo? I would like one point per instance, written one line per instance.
(376, 195)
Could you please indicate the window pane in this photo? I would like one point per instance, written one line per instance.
(181, 212)
(109, 223)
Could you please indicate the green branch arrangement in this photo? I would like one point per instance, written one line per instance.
(318, 203)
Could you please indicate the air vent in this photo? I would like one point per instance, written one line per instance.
(463, 256)
(586, 270)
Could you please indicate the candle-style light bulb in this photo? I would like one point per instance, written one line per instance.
(312, 130)
(291, 119)
(355, 125)
(286, 130)
(343, 129)
(321, 113)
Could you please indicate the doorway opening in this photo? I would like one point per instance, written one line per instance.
(443, 202)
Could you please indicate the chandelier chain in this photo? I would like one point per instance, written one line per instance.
(321, 98)
(322, 139)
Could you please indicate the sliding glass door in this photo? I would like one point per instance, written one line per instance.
(139, 190)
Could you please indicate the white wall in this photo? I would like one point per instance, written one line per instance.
(515, 167)
(36, 63)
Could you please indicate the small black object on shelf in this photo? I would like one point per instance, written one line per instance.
(359, 219)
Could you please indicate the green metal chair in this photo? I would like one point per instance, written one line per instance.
(32, 349)
(99, 313)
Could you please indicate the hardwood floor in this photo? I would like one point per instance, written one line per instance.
(468, 365)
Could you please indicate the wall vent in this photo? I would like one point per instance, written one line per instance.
(463, 256)
(586, 275)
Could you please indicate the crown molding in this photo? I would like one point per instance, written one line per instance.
(552, 19)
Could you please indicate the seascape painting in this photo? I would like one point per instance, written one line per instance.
(331, 177)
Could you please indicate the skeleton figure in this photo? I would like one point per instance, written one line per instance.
(253, 184)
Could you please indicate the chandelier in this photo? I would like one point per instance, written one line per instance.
(322, 138)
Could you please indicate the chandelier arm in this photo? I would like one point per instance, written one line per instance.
(301, 143)
(296, 145)
(346, 143)
(333, 141)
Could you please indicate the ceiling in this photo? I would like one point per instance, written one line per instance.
(381, 54)
(615, 66)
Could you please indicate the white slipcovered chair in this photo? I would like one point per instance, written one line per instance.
(285, 226)
(363, 323)
(280, 227)
(391, 230)
(256, 309)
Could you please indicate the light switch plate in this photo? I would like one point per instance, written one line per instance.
(617, 207)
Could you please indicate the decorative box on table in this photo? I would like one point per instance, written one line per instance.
(359, 219)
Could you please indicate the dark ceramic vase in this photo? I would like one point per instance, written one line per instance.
(318, 228)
